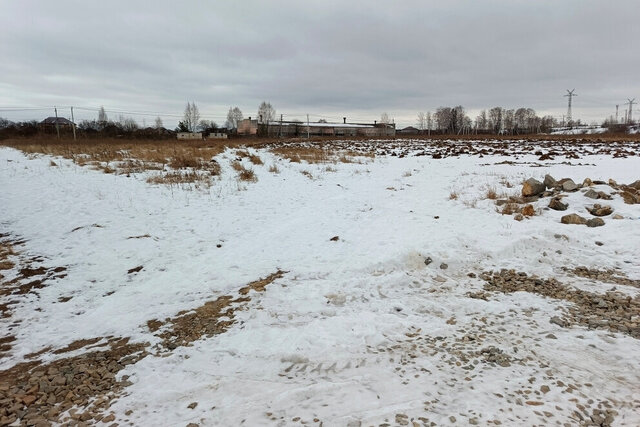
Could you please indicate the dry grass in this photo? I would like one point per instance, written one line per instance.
(406, 174)
(244, 174)
(491, 194)
(471, 203)
(255, 159)
(126, 157)
(274, 169)
(330, 169)
(453, 195)
(181, 177)
(528, 210)
(505, 182)
(307, 174)
(510, 209)
(319, 155)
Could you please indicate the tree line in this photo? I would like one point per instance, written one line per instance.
(497, 120)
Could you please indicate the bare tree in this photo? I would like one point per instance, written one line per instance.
(234, 116)
(206, 125)
(429, 122)
(5, 123)
(191, 116)
(443, 119)
(422, 121)
(159, 123)
(266, 112)
(481, 120)
(102, 115)
(127, 124)
(508, 120)
(384, 119)
(495, 119)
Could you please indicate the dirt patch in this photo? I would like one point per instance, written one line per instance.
(212, 318)
(33, 393)
(76, 345)
(609, 276)
(142, 236)
(135, 269)
(260, 284)
(612, 311)
(12, 290)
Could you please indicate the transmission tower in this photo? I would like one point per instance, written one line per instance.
(570, 94)
(630, 116)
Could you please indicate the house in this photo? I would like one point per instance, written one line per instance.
(409, 130)
(217, 135)
(247, 127)
(50, 123)
(300, 129)
(190, 135)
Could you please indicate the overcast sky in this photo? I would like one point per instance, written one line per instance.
(326, 58)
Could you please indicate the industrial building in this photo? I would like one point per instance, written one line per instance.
(299, 129)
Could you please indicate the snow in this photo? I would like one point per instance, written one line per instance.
(333, 339)
(579, 131)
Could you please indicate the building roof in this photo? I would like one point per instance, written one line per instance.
(323, 125)
(52, 121)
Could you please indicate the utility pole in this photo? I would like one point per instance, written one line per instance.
(307, 126)
(570, 94)
(280, 130)
(73, 124)
(57, 127)
(617, 105)
(630, 116)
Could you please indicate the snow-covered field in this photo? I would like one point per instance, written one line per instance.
(359, 330)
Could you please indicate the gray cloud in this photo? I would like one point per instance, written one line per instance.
(321, 57)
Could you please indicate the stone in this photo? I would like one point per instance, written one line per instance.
(29, 399)
(595, 222)
(528, 210)
(192, 405)
(428, 260)
(599, 243)
(617, 216)
(551, 337)
(518, 217)
(545, 389)
(587, 182)
(558, 321)
(569, 185)
(592, 194)
(635, 184)
(443, 266)
(603, 195)
(598, 210)
(109, 418)
(549, 181)
(532, 187)
(557, 205)
(573, 219)
(334, 238)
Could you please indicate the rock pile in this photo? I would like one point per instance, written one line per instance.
(533, 190)
(609, 276)
(613, 311)
(39, 394)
